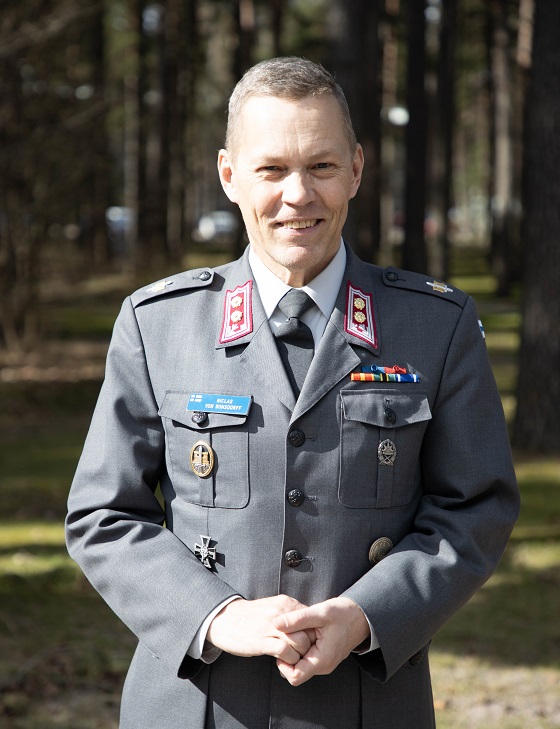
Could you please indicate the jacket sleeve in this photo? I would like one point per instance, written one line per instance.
(115, 527)
(469, 505)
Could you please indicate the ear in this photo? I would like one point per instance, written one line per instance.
(226, 173)
(357, 169)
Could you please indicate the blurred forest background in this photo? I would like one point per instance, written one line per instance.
(111, 114)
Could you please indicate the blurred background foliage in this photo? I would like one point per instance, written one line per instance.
(111, 114)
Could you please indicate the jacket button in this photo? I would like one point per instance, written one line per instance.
(296, 438)
(392, 276)
(379, 549)
(417, 658)
(295, 497)
(292, 558)
(199, 417)
(390, 415)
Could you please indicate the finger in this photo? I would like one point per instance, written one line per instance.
(299, 640)
(290, 673)
(312, 635)
(305, 619)
(278, 648)
(302, 671)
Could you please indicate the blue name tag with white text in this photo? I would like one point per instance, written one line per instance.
(210, 403)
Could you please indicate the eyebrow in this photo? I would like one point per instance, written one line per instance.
(268, 158)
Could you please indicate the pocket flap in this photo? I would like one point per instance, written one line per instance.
(385, 408)
(174, 406)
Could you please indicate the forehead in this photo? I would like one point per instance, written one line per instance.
(276, 124)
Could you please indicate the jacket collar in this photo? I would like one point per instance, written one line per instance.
(335, 357)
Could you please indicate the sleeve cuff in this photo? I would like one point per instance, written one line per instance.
(201, 650)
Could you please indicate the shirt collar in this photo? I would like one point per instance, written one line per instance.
(323, 289)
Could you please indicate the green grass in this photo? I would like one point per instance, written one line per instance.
(63, 654)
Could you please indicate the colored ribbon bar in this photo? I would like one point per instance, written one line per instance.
(381, 377)
(395, 370)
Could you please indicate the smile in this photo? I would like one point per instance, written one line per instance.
(297, 224)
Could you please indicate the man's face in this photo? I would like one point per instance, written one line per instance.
(292, 174)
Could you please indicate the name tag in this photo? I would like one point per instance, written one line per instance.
(210, 403)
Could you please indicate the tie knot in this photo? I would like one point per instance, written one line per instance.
(295, 303)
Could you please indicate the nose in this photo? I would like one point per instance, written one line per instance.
(298, 188)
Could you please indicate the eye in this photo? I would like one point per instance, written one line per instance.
(323, 165)
(271, 168)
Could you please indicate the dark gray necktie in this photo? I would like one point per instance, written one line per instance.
(294, 338)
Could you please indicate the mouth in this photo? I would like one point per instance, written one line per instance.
(299, 224)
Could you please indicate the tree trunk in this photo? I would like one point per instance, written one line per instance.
(537, 425)
(389, 187)
(278, 11)
(100, 174)
(355, 60)
(446, 113)
(244, 16)
(501, 203)
(414, 246)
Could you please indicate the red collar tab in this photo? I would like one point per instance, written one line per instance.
(358, 319)
(237, 319)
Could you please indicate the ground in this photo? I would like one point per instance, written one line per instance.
(63, 654)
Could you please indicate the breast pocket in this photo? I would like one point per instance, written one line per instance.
(380, 438)
(215, 472)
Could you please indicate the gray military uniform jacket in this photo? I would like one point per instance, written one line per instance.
(442, 490)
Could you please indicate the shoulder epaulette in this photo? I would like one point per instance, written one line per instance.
(412, 281)
(197, 278)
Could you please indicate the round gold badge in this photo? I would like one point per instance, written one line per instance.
(202, 459)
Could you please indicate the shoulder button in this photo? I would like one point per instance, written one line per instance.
(392, 276)
(204, 276)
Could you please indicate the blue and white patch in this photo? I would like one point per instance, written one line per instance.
(210, 403)
(481, 329)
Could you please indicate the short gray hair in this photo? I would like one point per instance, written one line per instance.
(289, 78)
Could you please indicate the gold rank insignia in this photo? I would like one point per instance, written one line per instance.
(159, 286)
(440, 287)
(202, 459)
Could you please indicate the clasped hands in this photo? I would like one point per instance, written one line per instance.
(306, 641)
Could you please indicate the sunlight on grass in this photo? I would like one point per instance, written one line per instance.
(512, 698)
(33, 549)
(27, 564)
(38, 533)
(539, 483)
(503, 341)
(475, 285)
(537, 556)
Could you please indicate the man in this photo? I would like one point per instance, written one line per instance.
(336, 471)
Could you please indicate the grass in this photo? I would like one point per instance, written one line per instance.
(63, 654)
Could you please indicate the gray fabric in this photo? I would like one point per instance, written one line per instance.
(294, 338)
(448, 503)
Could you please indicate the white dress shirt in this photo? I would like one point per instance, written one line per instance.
(323, 289)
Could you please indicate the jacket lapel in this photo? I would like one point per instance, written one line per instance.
(336, 356)
(260, 356)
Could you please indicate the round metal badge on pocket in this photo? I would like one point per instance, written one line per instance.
(387, 452)
(202, 459)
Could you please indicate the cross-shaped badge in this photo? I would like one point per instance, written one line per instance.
(205, 552)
